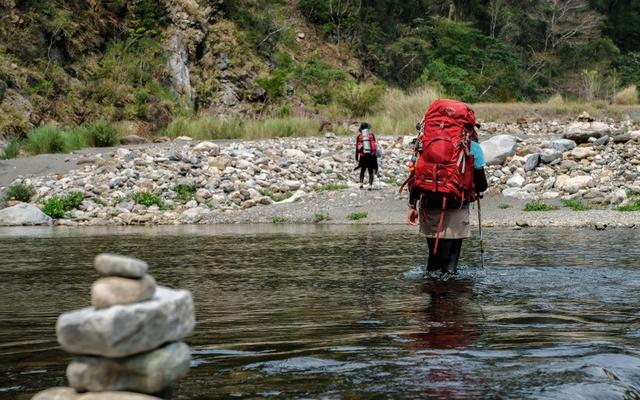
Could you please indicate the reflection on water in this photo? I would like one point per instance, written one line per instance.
(324, 312)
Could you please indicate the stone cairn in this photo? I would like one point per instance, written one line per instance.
(129, 342)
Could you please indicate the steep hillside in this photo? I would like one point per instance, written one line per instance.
(142, 63)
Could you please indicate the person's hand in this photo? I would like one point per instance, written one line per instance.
(412, 216)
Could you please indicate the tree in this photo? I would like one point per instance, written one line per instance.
(569, 22)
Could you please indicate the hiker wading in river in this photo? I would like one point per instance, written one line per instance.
(446, 175)
(366, 150)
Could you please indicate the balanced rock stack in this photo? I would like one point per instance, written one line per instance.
(130, 340)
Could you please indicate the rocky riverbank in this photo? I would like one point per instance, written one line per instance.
(312, 179)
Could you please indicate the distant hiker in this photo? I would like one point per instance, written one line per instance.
(447, 174)
(366, 147)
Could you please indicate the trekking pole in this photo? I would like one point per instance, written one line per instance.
(480, 232)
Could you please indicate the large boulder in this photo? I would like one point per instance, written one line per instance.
(580, 132)
(124, 330)
(66, 393)
(574, 184)
(23, 214)
(498, 148)
(150, 372)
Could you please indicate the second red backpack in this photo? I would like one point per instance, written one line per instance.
(444, 164)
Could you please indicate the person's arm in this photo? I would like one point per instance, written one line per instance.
(479, 175)
(480, 180)
(357, 146)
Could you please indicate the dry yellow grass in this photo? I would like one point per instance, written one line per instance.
(400, 111)
(626, 96)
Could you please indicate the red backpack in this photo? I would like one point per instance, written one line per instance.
(443, 162)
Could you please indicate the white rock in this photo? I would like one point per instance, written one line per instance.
(294, 155)
(563, 145)
(213, 149)
(550, 195)
(580, 132)
(498, 148)
(115, 265)
(124, 330)
(573, 184)
(550, 155)
(515, 181)
(582, 152)
(183, 139)
(23, 214)
(149, 372)
(518, 193)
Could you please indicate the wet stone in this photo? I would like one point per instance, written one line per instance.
(56, 393)
(124, 330)
(114, 265)
(113, 290)
(150, 372)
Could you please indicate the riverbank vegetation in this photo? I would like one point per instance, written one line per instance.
(278, 68)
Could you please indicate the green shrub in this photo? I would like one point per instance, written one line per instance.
(11, 150)
(76, 138)
(147, 199)
(332, 186)
(279, 220)
(102, 134)
(360, 99)
(45, 139)
(57, 207)
(319, 217)
(633, 205)
(19, 192)
(575, 205)
(73, 200)
(185, 192)
(539, 206)
(356, 216)
(54, 207)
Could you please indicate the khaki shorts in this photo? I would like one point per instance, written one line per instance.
(455, 224)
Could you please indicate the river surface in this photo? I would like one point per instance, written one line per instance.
(299, 312)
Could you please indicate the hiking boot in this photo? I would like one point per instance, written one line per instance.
(370, 187)
(361, 186)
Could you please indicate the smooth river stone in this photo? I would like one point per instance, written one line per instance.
(56, 393)
(114, 290)
(66, 393)
(124, 330)
(115, 265)
(149, 372)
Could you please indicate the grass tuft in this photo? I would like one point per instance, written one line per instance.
(57, 207)
(356, 216)
(279, 220)
(45, 139)
(319, 217)
(633, 205)
(575, 205)
(19, 192)
(331, 187)
(627, 96)
(503, 206)
(539, 206)
(147, 199)
(185, 192)
(208, 128)
(11, 150)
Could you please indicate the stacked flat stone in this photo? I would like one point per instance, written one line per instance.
(129, 340)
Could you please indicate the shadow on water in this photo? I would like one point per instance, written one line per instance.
(326, 312)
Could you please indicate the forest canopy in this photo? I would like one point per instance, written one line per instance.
(488, 50)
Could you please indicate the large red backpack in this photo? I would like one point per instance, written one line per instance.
(443, 166)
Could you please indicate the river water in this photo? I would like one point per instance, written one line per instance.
(326, 312)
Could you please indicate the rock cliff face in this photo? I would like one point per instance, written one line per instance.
(74, 67)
